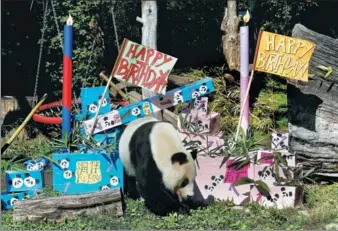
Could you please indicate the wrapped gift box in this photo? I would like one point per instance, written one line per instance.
(148, 106)
(17, 181)
(82, 173)
(290, 158)
(198, 106)
(8, 199)
(209, 124)
(204, 143)
(215, 180)
(280, 141)
(279, 197)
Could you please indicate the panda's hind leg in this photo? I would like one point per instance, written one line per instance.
(130, 187)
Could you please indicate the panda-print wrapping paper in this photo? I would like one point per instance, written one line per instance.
(208, 124)
(17, 181)
(82, 173)
(216, 182)
(90, 99)
(8, 199)
(268, 157)
(280, 197)
(204, 143)
(148, 106)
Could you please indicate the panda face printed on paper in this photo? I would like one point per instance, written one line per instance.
(195, 94)
(67, 174)
(135, 111)
(104, 101)
(114, 181)
(30, 181)
(210, 188)
(203, 89)
(32, 167)
(178, 97)
(64, 163)
(16, 182)
(93, 107)
(217, 179)
(104, 187)
(13, 200)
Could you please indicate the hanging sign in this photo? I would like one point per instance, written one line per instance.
(143, 66)
(282, 55)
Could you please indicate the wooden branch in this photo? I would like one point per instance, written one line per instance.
(313, 108)
(140, 20)
(69, 206)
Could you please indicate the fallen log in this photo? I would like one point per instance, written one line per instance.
(69, 206)
(313, 108)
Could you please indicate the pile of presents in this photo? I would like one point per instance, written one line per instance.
(200, 128)
(21, 185)
(217, 177)
(96, 165)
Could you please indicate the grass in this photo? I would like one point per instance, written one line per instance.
(321, 206)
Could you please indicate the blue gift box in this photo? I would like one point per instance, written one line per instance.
(17, 181)
(90, 102)
(8, 199)
(39, 164)
(75, 173)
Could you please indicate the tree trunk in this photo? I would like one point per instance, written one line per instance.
(149, 36)
(231, 37)
(69, 206)
(313, 108)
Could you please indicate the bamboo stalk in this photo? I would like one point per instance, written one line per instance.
(104, 77)
(24, 123)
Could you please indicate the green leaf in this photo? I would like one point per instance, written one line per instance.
(243, 180)
(262, 187)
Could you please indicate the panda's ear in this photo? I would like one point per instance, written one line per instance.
(10, 182)
(179, 157)
(194, 154)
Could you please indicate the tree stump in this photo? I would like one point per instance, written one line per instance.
(69, 206)
(231, 39)
(313, 108)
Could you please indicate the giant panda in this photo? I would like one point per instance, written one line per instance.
(157, 165)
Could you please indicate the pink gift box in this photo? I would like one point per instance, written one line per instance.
(208, 124)
(205, 143)
(211, 178)
(266, 173)
(290, 158)
(279, 197)
(280, 141)
(199, 106)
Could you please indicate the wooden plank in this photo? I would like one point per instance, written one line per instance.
(69, 206)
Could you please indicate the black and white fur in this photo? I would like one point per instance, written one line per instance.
(158, 166)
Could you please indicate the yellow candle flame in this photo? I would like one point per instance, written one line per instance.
(70, 20)
(246, 17)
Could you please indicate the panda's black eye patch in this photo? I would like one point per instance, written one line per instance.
(184, 183)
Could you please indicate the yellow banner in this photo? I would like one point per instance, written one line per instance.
(282, 55)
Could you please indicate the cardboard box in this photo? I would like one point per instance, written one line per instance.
(39, 164)
(215, 181)
(204, 143)
(208, 124)
(8, 199)
(148, 106)
(17, 181)
(290, 158)
(82, 173)
(280, 197)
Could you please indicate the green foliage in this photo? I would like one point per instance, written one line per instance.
(270, 109)
(93, 39)
(321, 208)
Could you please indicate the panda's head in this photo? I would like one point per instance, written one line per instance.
(180, 180)
(16, 182)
